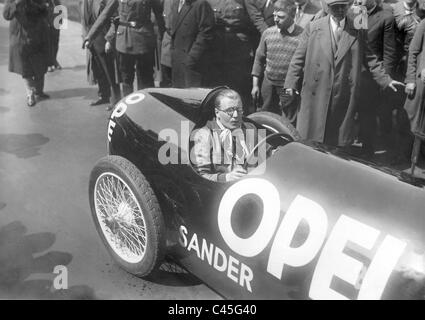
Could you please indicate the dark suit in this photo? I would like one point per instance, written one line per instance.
(382, 42)
(191, 36)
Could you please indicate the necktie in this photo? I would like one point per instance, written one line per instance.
(298, 13)
(338, 32)
(181, 4)
(234, 146)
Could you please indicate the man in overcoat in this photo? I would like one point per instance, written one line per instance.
(192, 23)
(326, 68)
(97, 58)
(382, 41)
(28, 44)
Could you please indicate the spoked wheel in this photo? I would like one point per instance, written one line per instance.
(127, 215)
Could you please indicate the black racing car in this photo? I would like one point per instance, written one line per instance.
(308, 222)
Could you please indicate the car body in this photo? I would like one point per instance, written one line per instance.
(314, 223)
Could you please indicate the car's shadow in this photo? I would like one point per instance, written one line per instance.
(27, 270)
(171, 274)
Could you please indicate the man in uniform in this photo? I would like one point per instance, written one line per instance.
(135, 38)
(236, 30)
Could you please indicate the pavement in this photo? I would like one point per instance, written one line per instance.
(46, 155)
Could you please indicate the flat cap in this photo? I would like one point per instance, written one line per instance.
(332, 2)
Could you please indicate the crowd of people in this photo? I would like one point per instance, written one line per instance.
(339, 81)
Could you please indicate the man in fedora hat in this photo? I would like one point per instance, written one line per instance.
(326, 69)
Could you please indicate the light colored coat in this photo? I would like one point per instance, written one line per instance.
(330, 89)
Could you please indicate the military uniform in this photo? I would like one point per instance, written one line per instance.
(135, 38)
(235, 31)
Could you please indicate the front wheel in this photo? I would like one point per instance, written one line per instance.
(127, 215)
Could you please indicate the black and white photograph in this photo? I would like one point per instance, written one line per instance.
(212, 150)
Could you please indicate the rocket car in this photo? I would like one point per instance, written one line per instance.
(310, 222)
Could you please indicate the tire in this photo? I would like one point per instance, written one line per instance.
(275, 123)
(129, 222)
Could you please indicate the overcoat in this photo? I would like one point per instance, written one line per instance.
(28, 37)
(330, 89)
(166, 40)
(191, 37)
(415, 64)
(91, 10)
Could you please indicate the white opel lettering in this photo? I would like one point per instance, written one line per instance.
(381, 267)
(281, 252)
(271, 203)
(118, 112)
(333, 262)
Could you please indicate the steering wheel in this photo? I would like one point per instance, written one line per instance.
(285, 136)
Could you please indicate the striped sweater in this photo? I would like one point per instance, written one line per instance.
(274, 54)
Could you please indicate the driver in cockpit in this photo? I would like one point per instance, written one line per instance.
(222, 146)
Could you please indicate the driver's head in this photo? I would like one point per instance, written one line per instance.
(228, 108)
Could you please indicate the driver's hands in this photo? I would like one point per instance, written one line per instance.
(236, 174)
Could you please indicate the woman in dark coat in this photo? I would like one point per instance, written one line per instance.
(28, 44)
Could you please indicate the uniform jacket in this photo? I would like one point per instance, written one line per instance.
(330, 89)
(191, 36)
(132, 40)
(28, 36)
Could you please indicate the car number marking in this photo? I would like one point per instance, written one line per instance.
(121, 108)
